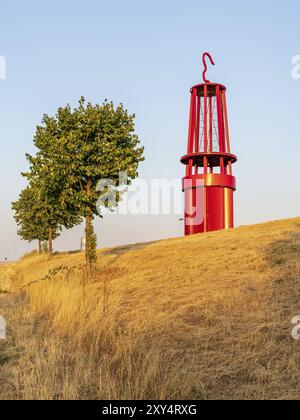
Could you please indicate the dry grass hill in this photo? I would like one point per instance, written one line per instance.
(205, 317)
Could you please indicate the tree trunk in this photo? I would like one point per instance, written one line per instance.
(50, 245)
(90, 251)
(88, 229)
(40, 247)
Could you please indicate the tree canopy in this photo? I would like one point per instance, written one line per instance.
(76, 149)
(33, 216)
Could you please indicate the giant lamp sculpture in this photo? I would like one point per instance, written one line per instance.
(209, 184)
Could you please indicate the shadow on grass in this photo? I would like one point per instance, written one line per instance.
(3, 358)
(68, 252)
(120, 250)
(283, 258)
(285, 250)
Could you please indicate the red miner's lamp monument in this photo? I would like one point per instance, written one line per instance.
(208, 185)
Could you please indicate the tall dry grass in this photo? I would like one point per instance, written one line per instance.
(191, 318)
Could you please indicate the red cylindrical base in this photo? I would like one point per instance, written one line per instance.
(208, 202)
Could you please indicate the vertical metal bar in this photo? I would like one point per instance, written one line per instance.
(222, 165)
(198, 115)
(197, 124)
(226, 122)
(190, 139)
(220, 121)
(205, 128)
(228, 209)
(227, 129)
(211, 130)
(205, 208)
(189, 168)
(205, 158)
(193, 121)
(210, 126)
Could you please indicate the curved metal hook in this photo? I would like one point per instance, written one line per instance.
(206, 54)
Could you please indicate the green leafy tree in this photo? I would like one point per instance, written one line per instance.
(41, 214)
(33, 218)
(57, 207)
(79, 147)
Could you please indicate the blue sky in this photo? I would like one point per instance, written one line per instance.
(147, 54)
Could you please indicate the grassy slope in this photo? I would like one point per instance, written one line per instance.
(202, 317)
